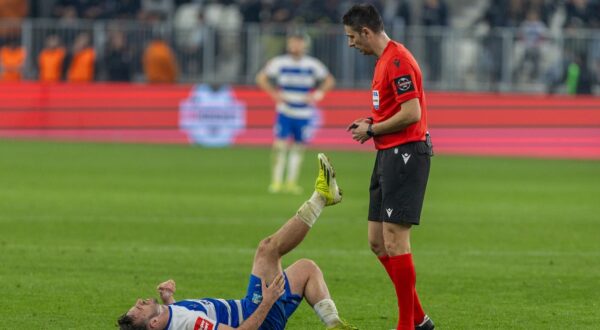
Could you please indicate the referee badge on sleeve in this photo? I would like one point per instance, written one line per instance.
(404, 84)
(376, 99)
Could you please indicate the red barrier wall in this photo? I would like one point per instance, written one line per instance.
(493, 124)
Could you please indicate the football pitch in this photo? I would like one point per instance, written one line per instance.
(85, 229)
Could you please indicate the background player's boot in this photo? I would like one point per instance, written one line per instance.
(343, 325)
(326, 185)
(275, 187)
(292, 188)
(427, 324)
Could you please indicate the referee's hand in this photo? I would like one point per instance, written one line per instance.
(356, 122)
(359, 130)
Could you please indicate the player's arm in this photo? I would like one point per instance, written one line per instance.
(263, 81)
(166, 290)
(270, 295)
(410, 113)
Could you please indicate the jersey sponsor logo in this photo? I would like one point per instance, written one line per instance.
(389, 212)
(404, 84)
(406, 157)
(203, 324)
(376, 99)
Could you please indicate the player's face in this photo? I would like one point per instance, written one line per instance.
(144, 310)
(358, 40)
(296, 46)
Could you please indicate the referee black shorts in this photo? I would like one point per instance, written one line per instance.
(398, 183)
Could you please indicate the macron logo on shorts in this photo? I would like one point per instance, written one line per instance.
(389, 212)
(203, 324)
(406, 157)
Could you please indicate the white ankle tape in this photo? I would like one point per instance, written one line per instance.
(327, 312)
(311, 209)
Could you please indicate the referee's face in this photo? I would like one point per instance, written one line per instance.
(358, 40)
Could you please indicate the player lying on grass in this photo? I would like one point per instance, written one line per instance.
(265, 307)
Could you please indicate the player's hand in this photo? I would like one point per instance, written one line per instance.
(315, 97)
(275, 290)
(276, 96)
(166, 289)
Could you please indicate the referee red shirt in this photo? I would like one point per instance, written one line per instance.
(397, 79)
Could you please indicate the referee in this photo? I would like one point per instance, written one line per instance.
(398, 126)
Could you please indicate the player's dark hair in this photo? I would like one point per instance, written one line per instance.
(363, 15)
(126, 322)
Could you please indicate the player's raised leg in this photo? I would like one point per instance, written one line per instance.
(267, 260)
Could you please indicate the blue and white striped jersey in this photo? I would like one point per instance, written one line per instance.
(204, 314)
(296, 79)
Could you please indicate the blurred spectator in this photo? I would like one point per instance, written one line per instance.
(252, 10)
(532, 34)
(226, 18)
(544, 9)
(12, 60)
(81, 60)
(577, 76)
(190, 34)
(285, 11)
(11, 13)
(157, 9)
(68, 9)
(504, 13)
(118, 59)
(51, 60)
(325, 12)
(396, 12)
(160, 65)
(435, 14)
(13, 9)
(120, 9)
(499, 14)
(579, 14)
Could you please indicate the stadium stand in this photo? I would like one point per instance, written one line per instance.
(465, 45)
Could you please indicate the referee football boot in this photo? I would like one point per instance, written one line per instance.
(326, 185)
(427, 324)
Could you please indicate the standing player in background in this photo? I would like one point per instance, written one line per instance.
(398, 127)
(300, 82)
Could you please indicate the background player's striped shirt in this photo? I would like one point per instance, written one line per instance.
(296, 79)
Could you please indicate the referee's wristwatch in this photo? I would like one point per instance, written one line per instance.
(370, 132)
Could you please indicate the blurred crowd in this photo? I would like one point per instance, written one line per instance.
(162, 56)
(500, 13)
(534, 21)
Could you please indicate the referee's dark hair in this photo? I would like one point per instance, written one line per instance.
(363, 15)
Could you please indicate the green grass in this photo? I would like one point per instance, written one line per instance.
(87, 228)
